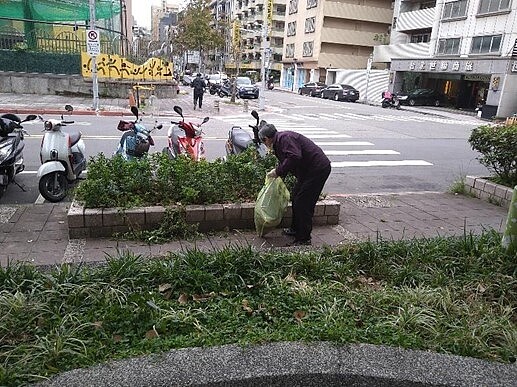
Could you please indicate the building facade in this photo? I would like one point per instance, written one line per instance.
(326, 34)
(465, 49)
(246, 48)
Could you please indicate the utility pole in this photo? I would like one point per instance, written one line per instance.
(94, 62)
(263, 86)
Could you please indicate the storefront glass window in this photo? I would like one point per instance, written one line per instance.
(486, 44)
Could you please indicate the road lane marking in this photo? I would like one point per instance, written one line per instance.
(360, 152)
(343, 143)
(379, 163)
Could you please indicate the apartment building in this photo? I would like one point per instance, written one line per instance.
(466, 49)
(245, 53)
(325, 34)
(162, 18)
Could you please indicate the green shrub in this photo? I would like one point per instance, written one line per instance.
(158, 180)
(498, 148)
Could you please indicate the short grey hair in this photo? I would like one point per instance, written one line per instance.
(267, 130)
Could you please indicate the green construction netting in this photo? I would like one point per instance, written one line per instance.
(57, 10)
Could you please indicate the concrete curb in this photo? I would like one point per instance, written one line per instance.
(294, 364)
(484, 189)
(104, 222)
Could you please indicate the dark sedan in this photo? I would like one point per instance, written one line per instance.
(421, 97)
(340, 92)
(246, 88)
(312, 88)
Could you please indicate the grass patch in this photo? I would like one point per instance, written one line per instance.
(449, 295)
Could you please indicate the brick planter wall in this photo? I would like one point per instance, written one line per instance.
(486, 190)
(104, 222)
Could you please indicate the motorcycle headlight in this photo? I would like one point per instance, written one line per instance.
(48, 125)
(4, 150)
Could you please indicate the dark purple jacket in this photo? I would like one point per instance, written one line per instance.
(297, 154)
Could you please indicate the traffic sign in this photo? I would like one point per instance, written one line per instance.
(93, 42)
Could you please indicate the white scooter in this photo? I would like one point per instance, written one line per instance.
(62, 157)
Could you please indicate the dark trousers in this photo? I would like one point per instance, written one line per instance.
(305, 194)
(198, 97)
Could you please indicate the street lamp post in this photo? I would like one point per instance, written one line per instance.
(264, 42)
(368, 70)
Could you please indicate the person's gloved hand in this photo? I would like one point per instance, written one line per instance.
(272, 174)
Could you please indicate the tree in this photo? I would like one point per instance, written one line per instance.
(195, 30)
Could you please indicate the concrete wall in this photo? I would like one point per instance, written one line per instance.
(61, 84)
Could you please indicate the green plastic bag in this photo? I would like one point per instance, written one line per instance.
(270, 206)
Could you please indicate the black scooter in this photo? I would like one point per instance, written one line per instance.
(11, 149)
(239, 139)
(225, 90)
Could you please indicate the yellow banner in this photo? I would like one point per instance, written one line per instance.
(236, 33)
(116, 67)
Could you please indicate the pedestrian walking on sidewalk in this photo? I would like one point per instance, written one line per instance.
(199, 86)
(300, 156)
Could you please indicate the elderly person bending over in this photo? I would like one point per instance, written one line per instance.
(306, 161)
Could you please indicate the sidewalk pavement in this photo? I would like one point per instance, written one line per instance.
(38, 233)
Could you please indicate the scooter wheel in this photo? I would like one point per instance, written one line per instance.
(53, 186)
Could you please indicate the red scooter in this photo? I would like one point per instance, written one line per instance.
(185, 138)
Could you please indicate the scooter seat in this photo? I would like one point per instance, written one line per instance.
(240, 138)
(74, 137)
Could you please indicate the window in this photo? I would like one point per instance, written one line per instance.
(307, 48)
(427, 4)
(489, 6)
(486, 44)
(420, 38)
(291, 28)
(449, 46)
(289, 50)
(309, 24)
(293, 6)
(312, 3)
(455, 9)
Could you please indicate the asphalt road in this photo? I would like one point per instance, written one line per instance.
(373, 150)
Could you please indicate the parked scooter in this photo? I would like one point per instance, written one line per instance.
(137, 139)
(214, 88)
(225, 90)
(185, 138)
(62, 157)
(390, 100)
(238, 139)
(11, 149)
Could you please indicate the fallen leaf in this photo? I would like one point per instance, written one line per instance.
(246, 307)
(151, 334)
(167, 295)
(163, 287)
(97, 324)
(298, 315)
(202, 297)
(117, 338)
(183, 298)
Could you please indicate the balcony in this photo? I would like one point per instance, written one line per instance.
(416, 20)
(357, 12)
(342, 36)
(384, 53)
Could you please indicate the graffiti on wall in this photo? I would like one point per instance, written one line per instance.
(117, 67)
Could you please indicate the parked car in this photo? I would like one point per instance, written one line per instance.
(421, 97)
(340, 92)
(217, 79)
(312, 88)
(246, 88)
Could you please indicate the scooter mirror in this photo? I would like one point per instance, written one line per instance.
(205, 119)
(255, 114)
(30, 117)
(134, 110)
(159, 126)
(178, 110)
(69, 108)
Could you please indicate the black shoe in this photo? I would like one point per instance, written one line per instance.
(303, 242)
(288, 232)
(194, 107)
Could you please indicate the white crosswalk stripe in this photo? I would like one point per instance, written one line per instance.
(331, 141)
